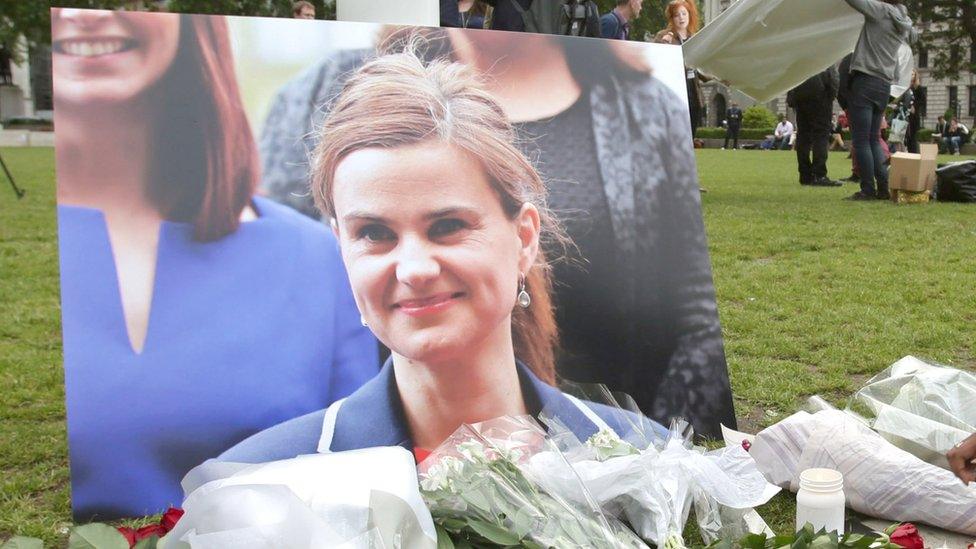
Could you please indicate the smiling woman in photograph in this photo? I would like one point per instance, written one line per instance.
(439, 218)
(194, 313)
(634, 298)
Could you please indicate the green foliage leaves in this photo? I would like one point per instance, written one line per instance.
(758, 116)
(96, 536)
(263, 8)
(807, 538)
(20, 542)
(948, 33)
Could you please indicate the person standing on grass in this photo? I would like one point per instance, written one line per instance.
(813, 101)
(886, 27)
(914, 114)
(733, 121)
(682, 17)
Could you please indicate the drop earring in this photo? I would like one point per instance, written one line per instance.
(524, 299)
(362, 319)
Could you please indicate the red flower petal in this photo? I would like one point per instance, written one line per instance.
(128, 533)
(149, 531)
(170, 518)
(907, 536)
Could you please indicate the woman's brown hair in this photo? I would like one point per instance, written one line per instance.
(398, 100)
(205, 167)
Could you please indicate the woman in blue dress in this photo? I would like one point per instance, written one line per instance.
(439, 218)
(194, 313)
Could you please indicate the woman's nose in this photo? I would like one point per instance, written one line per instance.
(416, 265)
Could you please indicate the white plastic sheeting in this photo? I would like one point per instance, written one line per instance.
(764, 48)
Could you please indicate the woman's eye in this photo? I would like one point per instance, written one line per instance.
(444, 227)
(375, 233)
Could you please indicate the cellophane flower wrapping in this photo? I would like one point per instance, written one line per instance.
(482, 487)
(361, 499)
(924, 409)
(650, 478)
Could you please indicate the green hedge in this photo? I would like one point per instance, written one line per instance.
(924, 134)
(27, 123)
(744, 133)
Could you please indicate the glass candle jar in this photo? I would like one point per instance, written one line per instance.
(820, 500)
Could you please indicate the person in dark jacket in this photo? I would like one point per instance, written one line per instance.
(519, 16)
(733, 123)
(616, 24)
(813, 101)
(914, 112)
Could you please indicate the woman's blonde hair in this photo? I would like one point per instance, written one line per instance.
(397, 100)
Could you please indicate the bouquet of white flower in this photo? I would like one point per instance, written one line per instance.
(482, 492)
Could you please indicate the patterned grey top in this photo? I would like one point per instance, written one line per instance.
(666, 347)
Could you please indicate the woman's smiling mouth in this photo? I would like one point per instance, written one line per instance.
(93, 47)
(427, 305)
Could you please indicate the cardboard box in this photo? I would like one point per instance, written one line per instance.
(914, 172)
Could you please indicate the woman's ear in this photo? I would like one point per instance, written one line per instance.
(529, 226)
(335, 227)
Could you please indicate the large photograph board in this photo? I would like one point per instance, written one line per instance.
(205, 299)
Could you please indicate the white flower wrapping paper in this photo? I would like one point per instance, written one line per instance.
(880, 479)
(361, 499)
(653, 490)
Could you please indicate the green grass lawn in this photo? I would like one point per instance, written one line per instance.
(816, 294)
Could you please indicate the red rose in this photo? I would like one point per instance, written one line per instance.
(128, 533)
(170, 518)
(907, 536)
(746, 445)
(149, 531)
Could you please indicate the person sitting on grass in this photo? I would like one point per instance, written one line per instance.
(782, 134)
(954, 137)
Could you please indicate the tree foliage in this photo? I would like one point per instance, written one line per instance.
(264, 8)
(32, 19)
(947, 33)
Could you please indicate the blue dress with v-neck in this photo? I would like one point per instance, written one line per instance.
(243, 333)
